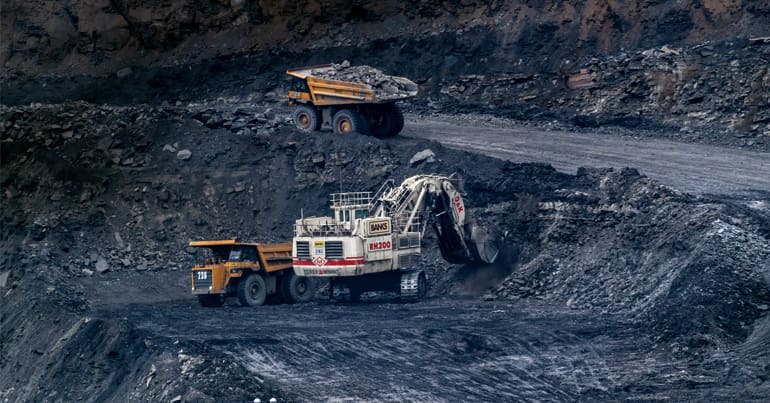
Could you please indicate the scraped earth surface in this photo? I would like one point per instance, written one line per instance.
(450, 349)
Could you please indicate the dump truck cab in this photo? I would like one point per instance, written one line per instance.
(300, 91)
(252, 272)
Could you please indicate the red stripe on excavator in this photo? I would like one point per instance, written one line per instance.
(347, 262)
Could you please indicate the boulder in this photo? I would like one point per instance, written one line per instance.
(425, 155)
(184, 155)
(101, 265)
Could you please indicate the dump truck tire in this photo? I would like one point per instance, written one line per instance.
(348, 121)
(300, 289)
(396, 118)
(306, 118)
(210, 300)
(388, 120)
(252, 290)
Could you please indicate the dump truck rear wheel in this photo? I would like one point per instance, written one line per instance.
(252, 290)
(210, 300)
(306, 118)
(387, 120)
(395, 118)
(348, 121)
(300, 289)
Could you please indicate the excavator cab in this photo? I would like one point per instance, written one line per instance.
(349, 208)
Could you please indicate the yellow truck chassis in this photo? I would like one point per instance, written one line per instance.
(344, 106)
(252, 272)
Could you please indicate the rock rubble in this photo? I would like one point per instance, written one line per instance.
(385, 87)
(710, 87)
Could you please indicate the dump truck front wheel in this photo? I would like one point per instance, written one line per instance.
(252, 290)
(307, 118)
(388, 120)
(349, 121)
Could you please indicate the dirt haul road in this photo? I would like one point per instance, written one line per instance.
(693, 168)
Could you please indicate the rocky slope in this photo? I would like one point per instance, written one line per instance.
(84, 36)
(634, 63)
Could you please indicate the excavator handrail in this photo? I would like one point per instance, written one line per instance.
(389, 184)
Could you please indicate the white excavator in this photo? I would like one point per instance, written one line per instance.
(373, 241)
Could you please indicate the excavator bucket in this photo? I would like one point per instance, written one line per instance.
(483, 245)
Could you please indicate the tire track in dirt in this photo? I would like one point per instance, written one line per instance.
(433, 351)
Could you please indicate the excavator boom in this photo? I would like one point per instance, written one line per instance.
(435, 198)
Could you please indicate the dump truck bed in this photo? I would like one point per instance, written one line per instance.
(272, 256)
(325, 90)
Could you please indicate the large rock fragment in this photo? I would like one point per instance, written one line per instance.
(102, 265)
(425, 155)
(184, 155)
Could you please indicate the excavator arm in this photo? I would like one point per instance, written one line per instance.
(435, 197)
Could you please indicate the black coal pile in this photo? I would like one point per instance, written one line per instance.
(620, 243)
(241, 120)
(385, 87)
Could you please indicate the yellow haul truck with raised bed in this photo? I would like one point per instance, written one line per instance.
(346, 99)
(252, 272)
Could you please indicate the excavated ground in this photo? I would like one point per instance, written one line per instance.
(612, 286)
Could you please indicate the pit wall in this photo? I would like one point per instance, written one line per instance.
(101, 36)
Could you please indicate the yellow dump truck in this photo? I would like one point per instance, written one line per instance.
(346, 99)
(252, 272)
